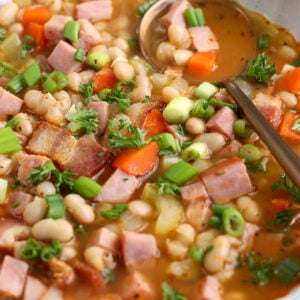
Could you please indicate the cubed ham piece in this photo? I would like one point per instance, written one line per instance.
(13, 274)
(248, 236)
(194, 192)
(118, 188)
(175, 15)
(62, 58)
(198, 214)
(227, 180)
(27, 164)
(95, 11)
(203, 39)
(230, 150)
(137, 286)
(17, 202)
(209, 289)
(138, 249)
(88, 35)
(222, 122)
(270, 107)
(9, 103)
(34, 289)
(104, 238)
(54, 29)
(102, 109)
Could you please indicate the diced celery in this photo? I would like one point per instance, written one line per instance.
(205, 90)
(195, 151)
(11, 47)
(3, 190)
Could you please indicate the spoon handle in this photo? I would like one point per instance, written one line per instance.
(283, 153)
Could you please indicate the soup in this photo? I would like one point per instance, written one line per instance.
(121, 182)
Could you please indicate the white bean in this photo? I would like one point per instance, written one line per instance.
(16, 27)
(86, 76)
(54, 115)
(74, 81)
(45, 188)
(287, 53)
(8, 13)
(176, 249)
(139, 94)
(185, 233)
(79, 209)
(99, 258)
(179, 36)
(50, 229)
(106, 36)
(115, 52)
(13, 234)
(123, 70)
(143, 81)
(289, 99)
(46, 102)
(140, 208)
(195, 126)
(181, 57)
(64, 101)
(121, 43)
(24, 125)
(205, 239)
(215, 259)
(215, 141)
(5, 165)
(32, 99)
(68, 253)
(249, 208)
(184, 270)
(164, 52)
(169, 92)
(35, 210)
(97, 48)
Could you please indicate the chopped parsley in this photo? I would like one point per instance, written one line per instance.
(86, 91)
(284, 217)
(169, 293)
(167, 187)
(28, 45)
(288, 270)
(115, 212)
(198, 254)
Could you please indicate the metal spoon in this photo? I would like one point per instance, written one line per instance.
(285, 156)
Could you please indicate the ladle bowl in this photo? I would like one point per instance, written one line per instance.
(283, 153)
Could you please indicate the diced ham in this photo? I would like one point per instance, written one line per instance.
(102, 109)
(175, 15)
(247, 238)
(95, 11)
(222, 122)
(209, 289)
(62, 58)
(194, 192)
(118, 188)
(104, 238)
(9, 103)
(17, 202)
(27, 164)
(138, 249)
(227, 180)
(54, 29)
(12, 276)
(88, 35)
(198, 214)
(230, 150)
(53, 293)
(34, 289)
(137, 286)
(203, 39)
(270, 107)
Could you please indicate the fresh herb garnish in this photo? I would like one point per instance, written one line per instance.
(28, 45)
(115, 212)
(166, 187)
(86, 91)
(258, 166)
(284, 217)
(181, 130)
(108, 275)
(169, 293)
(198, 254)
(260, 69)
(147, 99)
(288, 270)
(136, 139)
(84, 121)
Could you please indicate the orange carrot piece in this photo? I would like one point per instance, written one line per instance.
(279, 204)
(36, 14)
(154, 122)
(289, 82)
(37, 31)
(202, 63)
(104, 79)
(137, 162)
(285, 129)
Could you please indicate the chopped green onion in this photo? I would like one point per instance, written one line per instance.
(56, 206)
(178, 110)
(263, 41)
(116, 211)
(205, 90)
(203, 109)
(259, 165)
(16, 84)
(32, 75)
(3, 190)
(79, 55)
(249, 153)
(53, 250)
(194, 17)
(28, 45)
(233, 222)
(8, 141)
(170, 294)
(87, 187)
(142, 9)
(31, 250)
(97, 60)
(195, 151)
(12, 123)
(218, 209)
(221, 103)
(71, 31)
(215, 222)
(167, 143)
(55, 81)
(180, 172)
(6, 69)
(242, 128)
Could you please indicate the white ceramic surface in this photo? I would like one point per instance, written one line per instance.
(283, 12)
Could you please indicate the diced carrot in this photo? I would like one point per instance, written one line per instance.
(104, 79)
(154, 122)
(279, 204)
(37, 31)
(138, 162)
(287, 123)
(36, 14)
(202, 63)
(289, 82)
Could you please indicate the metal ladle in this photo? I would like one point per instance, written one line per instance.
(285, 156)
